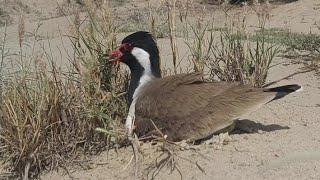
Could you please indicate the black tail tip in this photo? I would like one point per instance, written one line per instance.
(287, 88)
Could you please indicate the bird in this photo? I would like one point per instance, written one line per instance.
(183, 106)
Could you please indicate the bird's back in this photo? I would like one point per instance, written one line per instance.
(185, 107)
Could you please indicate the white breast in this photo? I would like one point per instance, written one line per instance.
(143, 58)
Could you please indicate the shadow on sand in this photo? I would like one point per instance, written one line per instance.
(246, 126)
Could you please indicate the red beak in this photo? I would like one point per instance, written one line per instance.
(115, 55)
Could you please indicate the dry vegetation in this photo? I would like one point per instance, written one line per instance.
(49, 117)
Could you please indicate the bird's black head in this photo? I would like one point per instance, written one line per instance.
(139, 51)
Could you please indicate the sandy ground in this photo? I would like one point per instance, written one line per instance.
(285, 140)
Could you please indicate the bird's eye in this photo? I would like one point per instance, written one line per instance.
(126, 47)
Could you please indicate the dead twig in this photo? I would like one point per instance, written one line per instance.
(168, 156)
(289, 76)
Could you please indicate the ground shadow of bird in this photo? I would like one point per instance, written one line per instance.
(246, 126)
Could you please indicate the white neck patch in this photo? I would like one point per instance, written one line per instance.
(143, 58)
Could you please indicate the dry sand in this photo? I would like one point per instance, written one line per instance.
(285, 140)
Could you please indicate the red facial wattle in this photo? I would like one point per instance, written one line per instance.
(118, 53)
(115, 55)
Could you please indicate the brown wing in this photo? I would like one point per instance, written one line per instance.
(185, 107)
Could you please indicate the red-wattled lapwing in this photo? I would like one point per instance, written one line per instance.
(183, 107)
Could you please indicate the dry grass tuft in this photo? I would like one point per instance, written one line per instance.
(49, 117)
(233, 55)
